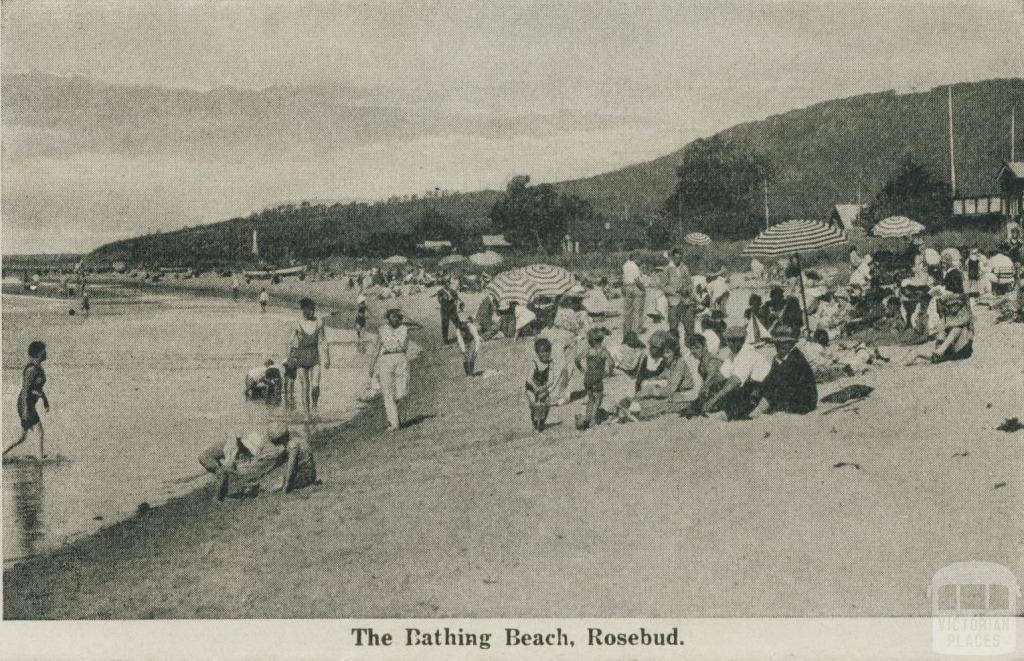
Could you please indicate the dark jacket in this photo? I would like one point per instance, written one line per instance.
(790, 385)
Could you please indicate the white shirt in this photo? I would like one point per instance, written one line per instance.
(718, 288)
(630, 272)
(712, 340)
(747, 365)
(264, 297)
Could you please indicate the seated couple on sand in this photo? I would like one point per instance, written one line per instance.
(747, 383)
(246, 459)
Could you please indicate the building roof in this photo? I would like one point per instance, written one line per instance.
(435, 245)
(1016, 168)
(848, 213)
(494, 241)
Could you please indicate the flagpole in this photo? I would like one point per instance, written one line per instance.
(952, 161)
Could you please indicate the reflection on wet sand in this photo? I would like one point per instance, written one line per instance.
(26, 484)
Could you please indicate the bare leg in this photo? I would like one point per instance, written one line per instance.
(40, 427)
(21, 439)
(315, 385)
(304, 393)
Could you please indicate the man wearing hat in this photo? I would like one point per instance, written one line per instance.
(790, 386)
(744, 373)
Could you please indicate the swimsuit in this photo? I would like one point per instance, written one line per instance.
(307, 353)
(538, 381)
(27, 411)
(593, 375)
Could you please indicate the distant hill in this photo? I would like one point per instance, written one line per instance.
(822, 155)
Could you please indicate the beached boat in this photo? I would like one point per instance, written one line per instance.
(268, 274)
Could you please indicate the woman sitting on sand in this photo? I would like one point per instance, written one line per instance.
(309, 350)
(955, 339)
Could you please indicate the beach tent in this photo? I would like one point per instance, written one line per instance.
(451, 259)
(896, 227)
(486, 258)
(793, 237)
(698, 239)
(396, 259)
(523, 284)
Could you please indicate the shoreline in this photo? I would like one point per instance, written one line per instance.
(467, 512)
(198, 500)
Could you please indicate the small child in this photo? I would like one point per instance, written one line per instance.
(468, 336)
(264, 299)
(539, 383)
(595, 364)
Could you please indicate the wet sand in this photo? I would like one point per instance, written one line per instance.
(468, 512)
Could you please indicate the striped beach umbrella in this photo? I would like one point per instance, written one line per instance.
(698, 239)
(897, 226)
(523, 284)
(793, 237)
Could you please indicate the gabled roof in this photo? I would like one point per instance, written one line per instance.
(494, 241)
(1016, 168)
(847, 213)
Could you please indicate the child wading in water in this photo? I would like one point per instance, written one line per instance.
(596, 363)
(33, 378)
(539, 382)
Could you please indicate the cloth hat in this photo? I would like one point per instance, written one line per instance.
(951, 256)
(595, 334)
(783, 334)
(716, 274)
(736, 333)
(392, 311)
(931, 256)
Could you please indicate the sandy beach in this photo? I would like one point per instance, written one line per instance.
(469, 512)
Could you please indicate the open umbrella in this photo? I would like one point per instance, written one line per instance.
(523, 284)
(396, 259)
(486, 258)
(793, 237)
(897, 226)
(698, 239)
(451, 259)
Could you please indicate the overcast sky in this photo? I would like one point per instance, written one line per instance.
(688, 69)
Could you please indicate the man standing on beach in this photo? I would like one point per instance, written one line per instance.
(632, 297)
(677, 284)
(449, 300)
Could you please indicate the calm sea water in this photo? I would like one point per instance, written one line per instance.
(137, 391)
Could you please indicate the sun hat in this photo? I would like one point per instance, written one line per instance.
(931, 256)
(951, 256)
(735, 333)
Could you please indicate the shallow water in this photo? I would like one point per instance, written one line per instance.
(137, 391)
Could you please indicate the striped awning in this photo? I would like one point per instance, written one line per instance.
(698, 239)
(523, 284)
(897, 226)
(794, 236)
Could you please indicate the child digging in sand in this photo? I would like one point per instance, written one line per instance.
(539, 383)
(595, 364)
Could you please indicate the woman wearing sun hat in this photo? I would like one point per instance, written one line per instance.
(390, 363)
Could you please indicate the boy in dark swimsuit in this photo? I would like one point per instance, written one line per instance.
(539, 382)
(595, 364)
(33, 378)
